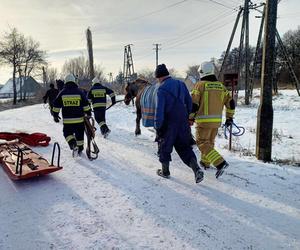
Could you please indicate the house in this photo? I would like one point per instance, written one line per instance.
(29, 86)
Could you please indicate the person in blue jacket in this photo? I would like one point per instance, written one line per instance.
(97, 97)
(74, 105)
(174, 104)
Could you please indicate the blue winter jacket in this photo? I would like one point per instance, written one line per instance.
(174, 103)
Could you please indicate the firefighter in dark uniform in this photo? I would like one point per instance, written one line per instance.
(97, 97)
(60, 84)
(50, 95)
(74, 105)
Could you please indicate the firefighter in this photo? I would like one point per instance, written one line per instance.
(51, 94)
(209, 97)
(97, 97)
(60, 84)
(74, 105)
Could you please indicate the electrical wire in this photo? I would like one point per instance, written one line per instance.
(200, 35)
(218, 3)
(208, 24)
(190, 35)
(148, 14)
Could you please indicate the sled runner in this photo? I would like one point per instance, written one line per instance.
(92, 149)
(20, 162)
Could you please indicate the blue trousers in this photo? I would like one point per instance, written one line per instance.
(177, 136)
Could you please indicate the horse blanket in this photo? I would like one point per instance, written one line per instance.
(148, 105)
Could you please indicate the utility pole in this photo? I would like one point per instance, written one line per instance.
(246, 13)
(265, 110)
(44, 77)
(128, 67)
(258, 45)
(156, 51)
(111, 79)
(90, 52)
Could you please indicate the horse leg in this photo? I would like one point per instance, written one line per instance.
(138, 120)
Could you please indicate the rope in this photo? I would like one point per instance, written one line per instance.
(239, 130)
(114, 104)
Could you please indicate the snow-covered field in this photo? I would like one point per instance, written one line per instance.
(118, 202)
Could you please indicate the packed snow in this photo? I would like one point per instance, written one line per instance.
(118, 201)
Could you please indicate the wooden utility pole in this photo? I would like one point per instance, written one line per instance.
(246, 13)
(265, 110)
(156, 52)
(90, 52)
(230, 42)
(258, 46)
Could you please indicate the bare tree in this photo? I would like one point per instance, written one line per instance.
(79, 66)
(193, 71)
(51, 75)
(23, 55)
(147, 74)
(11, 50)
(31, 62)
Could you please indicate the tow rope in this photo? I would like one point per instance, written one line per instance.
(235, 130)
(92, 149)
(114, 104)
(34, 139)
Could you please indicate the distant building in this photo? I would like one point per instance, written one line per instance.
(29, 86)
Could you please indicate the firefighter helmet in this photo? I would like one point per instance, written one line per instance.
(70, 78)
(95, 80)
(207, 69)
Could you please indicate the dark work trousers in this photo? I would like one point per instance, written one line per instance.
(51, 107)
(74, 134)
(99, 114)
(177, 134)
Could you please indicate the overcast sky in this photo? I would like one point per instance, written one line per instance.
(189, 31)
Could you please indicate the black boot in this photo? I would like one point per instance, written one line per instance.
(202, 164)
(220, 168)
(199, 175)
(164, 171)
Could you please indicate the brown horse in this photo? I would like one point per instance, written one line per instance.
(133, 90)
(136, 89)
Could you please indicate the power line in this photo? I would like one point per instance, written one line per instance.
(155, 11)
(218, 3)
(199, 35)
(191, 33)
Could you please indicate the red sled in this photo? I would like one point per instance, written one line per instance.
(20, 162)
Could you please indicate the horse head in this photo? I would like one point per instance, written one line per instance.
(132, 89)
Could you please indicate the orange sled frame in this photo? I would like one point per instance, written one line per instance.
(20, 162)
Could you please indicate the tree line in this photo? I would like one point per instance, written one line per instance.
(24, 56)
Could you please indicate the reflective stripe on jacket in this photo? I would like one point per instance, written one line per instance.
(97, 95)
(210, 98)
(73, 103)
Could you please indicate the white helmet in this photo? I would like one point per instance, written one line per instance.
(207, 69)
(95, 80)
(70, 78)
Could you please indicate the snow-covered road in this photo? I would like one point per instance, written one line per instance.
(118, 202)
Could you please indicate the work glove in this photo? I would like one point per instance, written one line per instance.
(56, 119)
(228, 122)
